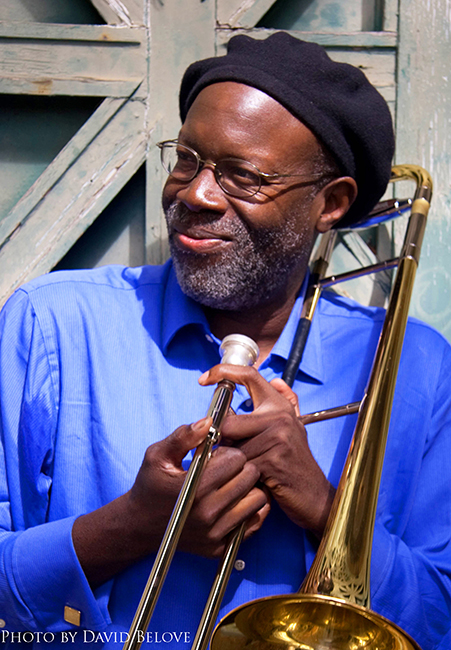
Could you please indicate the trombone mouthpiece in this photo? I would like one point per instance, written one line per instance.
(239, 350)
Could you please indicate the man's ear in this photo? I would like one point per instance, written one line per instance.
(335, 199)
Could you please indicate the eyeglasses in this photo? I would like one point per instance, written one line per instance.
(235, 177)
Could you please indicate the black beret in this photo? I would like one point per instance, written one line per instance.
(335, 100)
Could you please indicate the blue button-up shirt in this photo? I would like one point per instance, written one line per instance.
(97, 365)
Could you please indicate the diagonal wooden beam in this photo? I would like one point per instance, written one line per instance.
(82, 189)
(245, 13)
(58, 167)
(120, 12)
(88, 60)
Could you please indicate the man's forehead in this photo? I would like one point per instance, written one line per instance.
(235, 95)
(231, 101)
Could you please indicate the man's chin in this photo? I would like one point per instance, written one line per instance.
(211, 285)
(245, 278)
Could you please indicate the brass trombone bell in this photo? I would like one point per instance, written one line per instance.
(308, 622)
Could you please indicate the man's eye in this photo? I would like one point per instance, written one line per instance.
(184, 162)
(244, 175)
(184, 156)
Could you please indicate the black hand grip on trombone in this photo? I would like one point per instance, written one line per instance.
(297, 350)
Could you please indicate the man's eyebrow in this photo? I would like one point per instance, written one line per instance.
(262, 165)
(188, 142)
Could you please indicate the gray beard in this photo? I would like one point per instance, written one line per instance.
(253, 273)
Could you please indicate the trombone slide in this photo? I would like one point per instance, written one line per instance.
(237, 350)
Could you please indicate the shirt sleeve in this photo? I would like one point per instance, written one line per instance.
(411, 561)
(39, 571)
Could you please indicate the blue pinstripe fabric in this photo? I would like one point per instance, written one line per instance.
(97, 365)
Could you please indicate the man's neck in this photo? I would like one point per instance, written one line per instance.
(263, 324)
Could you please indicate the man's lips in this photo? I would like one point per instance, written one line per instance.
(199, 241)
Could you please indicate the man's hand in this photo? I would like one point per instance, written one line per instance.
(132, 526)
(274, 440)
(226, 495)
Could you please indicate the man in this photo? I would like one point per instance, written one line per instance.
(278, 144)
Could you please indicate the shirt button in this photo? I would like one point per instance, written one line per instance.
(239, 565)
(2, 623)
(248, 403)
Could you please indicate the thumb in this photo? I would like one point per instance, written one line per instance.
(286, 391)
(183, 439)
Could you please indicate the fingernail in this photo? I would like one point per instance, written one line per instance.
(204, 377)
(200, 424)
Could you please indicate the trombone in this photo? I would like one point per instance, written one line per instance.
(326, 613)
(332, 608)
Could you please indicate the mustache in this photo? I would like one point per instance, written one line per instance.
(179, 214)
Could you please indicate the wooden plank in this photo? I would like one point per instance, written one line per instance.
(136, 9)
(78, 33)
(365, 40)
(423, 136)
(390, 15)
(225, 9)
(114, 13)
(181, 33)
(71, 60)
(244, 14)
(68, 85)
(76, 199)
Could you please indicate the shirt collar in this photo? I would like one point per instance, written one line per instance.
(180, 311)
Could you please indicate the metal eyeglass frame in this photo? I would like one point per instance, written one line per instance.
(245, 192)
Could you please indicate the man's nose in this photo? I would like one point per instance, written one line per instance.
(203, 192)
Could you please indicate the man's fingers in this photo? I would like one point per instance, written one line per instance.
(251, 510)
(226, 464)
(174, 448)
(255, 522)
(258, 388)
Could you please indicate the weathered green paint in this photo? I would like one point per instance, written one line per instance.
(56, 170)
(116, 12)
(71, 59)
(50, 11)
(179, 35)
(364, 40)
(246, 13)
(33, 131)
(324, 15)
(117, 234)
(79, 193)
(424, 135)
